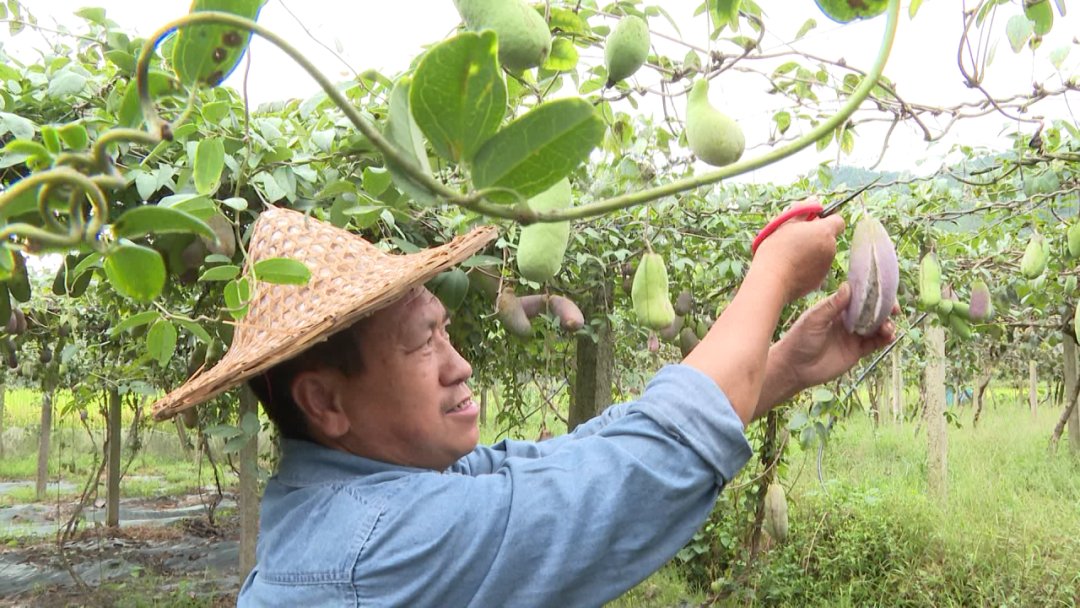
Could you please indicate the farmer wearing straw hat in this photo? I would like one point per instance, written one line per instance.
(383, 498)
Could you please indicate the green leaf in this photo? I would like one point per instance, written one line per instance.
(808, 25)
(135, 271)
(30, 151)
(458, 96)
(568, 22)
(123, 60)
(250, 424)
(152, 219)
(221, 273)
(209, 53)
(823, 395)
(376, 180)
(798, 420)
(236, 203)
(1018, 29)
(21, 128)
(1041, 16)
(538, 149)
(135, 320)
(782, 120)
(197, 205)
(75, 136)
(66, 83)
(224, 431)
(402, 131)
(196, 330)
(51, 138)
(92, 14)
(161, 341)
(563, 56)
(914, 8)
(209, 162)
(237, 294)
(215, 111)
(1057, 56)
(283, 271)
(726, 13)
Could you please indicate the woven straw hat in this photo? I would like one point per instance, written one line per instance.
(350, 278)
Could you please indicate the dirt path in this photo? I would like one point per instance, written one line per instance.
(165, 548)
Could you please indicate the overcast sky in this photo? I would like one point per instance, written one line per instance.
(386, 35)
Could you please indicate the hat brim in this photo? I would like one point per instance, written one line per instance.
(350, 279)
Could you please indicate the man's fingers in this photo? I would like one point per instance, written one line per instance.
(836, 224)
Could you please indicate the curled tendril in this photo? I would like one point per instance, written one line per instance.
(80, 229)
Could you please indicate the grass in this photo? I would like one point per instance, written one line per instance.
(1008, 533)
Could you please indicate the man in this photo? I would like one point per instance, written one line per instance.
(383, 497)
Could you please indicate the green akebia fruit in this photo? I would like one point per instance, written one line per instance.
(649, 294)
(702, 327)
(945, 306)
(874, 276)
(450, 287)
(960, 326)
(542, 245)
(523, 35)
(626, 48)
(1072, 237)
(509, 312)
(981, 308)
(712, 135)
(1035, 257)
(776, 512)
(688, 340)
(845, 11)
(929, 282)
(19, 283)
(1076, 321)
(961, 309)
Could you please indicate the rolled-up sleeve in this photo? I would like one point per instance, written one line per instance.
(578, 525)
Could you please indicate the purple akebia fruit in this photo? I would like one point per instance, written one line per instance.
(980, 308)
(874, 276)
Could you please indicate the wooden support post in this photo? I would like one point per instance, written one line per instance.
(112, 470)
(936, 425)
(249, 486)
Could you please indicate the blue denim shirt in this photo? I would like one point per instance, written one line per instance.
(572, 521)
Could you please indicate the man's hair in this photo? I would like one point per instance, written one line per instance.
(341, 351)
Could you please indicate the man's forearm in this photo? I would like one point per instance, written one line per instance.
(735, 352)
(780, 383)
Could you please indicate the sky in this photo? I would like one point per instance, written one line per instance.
(387, 35)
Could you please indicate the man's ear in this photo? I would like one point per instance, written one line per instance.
(318, 394)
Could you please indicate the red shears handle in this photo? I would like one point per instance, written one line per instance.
(810, 210)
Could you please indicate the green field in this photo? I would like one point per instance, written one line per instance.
(1008, 535)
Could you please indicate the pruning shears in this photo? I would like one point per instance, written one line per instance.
(810, 210)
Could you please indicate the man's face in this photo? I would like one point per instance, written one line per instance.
(410, 405)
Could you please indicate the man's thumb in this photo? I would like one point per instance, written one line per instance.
(832, 305)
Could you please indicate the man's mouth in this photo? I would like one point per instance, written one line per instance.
(463, 405)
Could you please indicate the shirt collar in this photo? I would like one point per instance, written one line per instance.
(305, 463)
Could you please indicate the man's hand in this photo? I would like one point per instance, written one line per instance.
(817, 349)
(799, 253)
